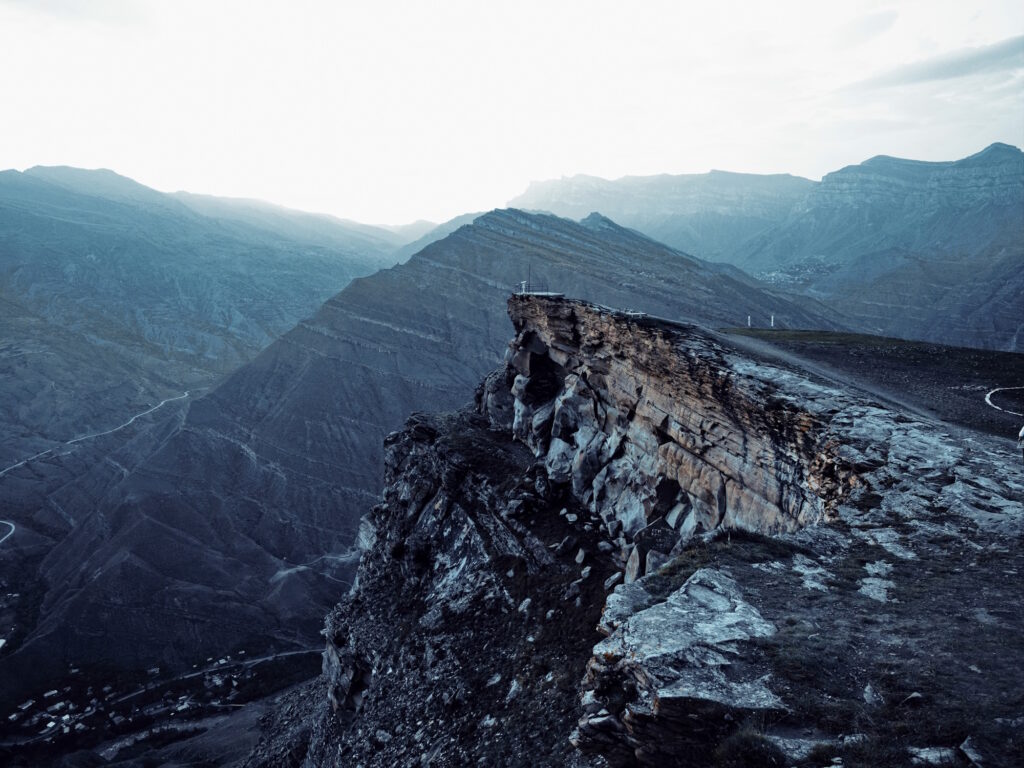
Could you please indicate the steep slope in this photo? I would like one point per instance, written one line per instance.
(238, 528)
(780, 571)
(710, 215)
(135, 274)
(118, 304)
(434, 234)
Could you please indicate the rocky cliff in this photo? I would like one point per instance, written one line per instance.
(258, 490)
(644, 547)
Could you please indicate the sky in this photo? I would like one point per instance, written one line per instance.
(385, 111)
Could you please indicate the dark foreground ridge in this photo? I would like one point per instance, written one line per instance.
(640, 547)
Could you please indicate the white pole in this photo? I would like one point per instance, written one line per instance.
(773, 321)
(748, 321)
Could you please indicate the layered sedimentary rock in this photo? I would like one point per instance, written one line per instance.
(648, 434)
(925, 250)
(652, 549)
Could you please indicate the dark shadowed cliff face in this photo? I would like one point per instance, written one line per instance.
(643, 547)
(238, 528)
(923, 250)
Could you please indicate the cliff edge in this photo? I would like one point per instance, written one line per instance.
(643, 547)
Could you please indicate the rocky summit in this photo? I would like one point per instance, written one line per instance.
(642, 546)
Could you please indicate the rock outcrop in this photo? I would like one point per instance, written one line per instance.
(261, 485)
(773, 566)
(648, 434)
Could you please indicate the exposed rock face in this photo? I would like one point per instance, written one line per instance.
(469, 614)
(648, 436)
(833, 627)
(750, 447)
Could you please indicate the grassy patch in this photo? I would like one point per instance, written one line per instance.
(747, 748)
(729, 547)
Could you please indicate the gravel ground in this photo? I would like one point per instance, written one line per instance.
(948, 383)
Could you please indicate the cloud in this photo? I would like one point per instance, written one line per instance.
(119, 11)
(865, 28)
(1006, 55)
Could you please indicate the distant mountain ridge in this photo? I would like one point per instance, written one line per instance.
(926, 250)
(708, 214)
(98, 218)
(179, 296)
(314, 228)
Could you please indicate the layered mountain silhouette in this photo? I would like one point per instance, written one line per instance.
(238, 527)
(114, 296)
(711, 215)
(227, 518)
(924, 250)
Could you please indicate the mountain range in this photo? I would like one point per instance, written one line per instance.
(114, 297)
(237, 529)
(197, 391)
(920, 250)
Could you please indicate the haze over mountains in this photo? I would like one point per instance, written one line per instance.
(258, 492)
(710, 215)
(227, 517)
(149, 296)
(922, 250)
(115, 298)
(100, 266)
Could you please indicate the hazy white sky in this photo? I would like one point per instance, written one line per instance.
(386, 111)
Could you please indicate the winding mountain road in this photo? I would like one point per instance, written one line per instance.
(146, 412)
(1001, 389)
(9, 533)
